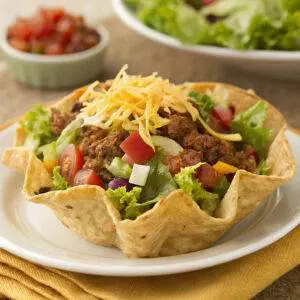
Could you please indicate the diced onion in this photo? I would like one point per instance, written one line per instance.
(169, 146)
(139, 174)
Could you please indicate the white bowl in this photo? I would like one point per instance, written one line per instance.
(278, 64)
(57, 71)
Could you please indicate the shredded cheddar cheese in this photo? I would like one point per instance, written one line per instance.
(133, 103)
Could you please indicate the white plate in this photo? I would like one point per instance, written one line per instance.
(31, 231)
(279, 64)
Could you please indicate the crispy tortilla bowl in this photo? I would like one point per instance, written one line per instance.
(180, 224)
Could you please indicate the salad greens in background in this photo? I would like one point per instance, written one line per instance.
(243, 25)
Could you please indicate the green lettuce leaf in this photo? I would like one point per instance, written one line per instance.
(249, 125)
(49, 151)
(69, 135)
(204, 102)
(222, 187)
(173, 17)
(37, 126)
(262, 168)
(290, 39)
(291, 5)
(127, 202)
(255, 24)
(159, 181)
(192, 187)
(119, 168)
(59, 182)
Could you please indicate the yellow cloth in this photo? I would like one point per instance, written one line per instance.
(239, 279)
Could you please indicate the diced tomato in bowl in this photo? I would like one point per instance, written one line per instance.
(42, 56)
(53, 27)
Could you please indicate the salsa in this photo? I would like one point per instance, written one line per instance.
(52, 31)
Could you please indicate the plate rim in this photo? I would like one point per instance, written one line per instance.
(129, 19)
(142, 271)
(106, 269)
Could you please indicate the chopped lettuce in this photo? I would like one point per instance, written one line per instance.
(255, 24)
(291, 5)
(249, 125)
(37, 126)
(262, 168)
(69, 135)
(173, 17)
(204, 102)
(48, 151)
(192, 187)
(159, 181)
(59, 182)
(119, 168)
(127, 202)
(222, 187)
(133, 203)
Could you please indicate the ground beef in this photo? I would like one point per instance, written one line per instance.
(208, 176)
(215, 149)
(94, 164)
(188, 157)
(91, 137)
(214, 124)
(109, 147)
(179, 127)
(212, 148)
(76, 108)
(100, 148)
(59, 120)
(241, 160)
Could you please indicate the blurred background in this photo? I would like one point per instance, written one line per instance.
(143, 56)
(91, 9)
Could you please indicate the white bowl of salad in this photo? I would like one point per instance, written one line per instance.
(262, 36)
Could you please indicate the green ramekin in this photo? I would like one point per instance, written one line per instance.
(57, 71)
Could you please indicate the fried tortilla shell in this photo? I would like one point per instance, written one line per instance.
(176, 224)
(17, 156)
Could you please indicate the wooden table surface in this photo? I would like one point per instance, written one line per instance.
(143, 57)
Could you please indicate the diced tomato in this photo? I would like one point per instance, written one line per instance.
(224, 115)
(54, 48)
(135, 147)
(87, 176)
(36, 47)
(21, 30)
(20, 44)
(208, 176)
(42, 29)
(207, 2)
(55, 14)
(58, 31)
(71, 161)
(66, 26)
